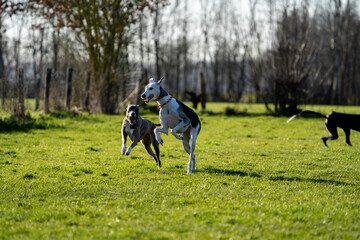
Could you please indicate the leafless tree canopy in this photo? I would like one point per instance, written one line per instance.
(280, 53)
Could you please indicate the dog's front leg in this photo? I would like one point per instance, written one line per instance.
(160, 130)
(135, 142)
(124, 137)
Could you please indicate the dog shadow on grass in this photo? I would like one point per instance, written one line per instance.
(230, 172)
(312, 180)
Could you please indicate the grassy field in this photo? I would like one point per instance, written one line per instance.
(257, 178)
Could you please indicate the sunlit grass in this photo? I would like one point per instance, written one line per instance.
(257, 177)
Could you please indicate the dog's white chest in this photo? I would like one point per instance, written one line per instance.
(129, 131)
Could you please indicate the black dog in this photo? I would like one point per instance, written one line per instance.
(335, 120)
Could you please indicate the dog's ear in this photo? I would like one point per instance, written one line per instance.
(137, 108)
(159, 82)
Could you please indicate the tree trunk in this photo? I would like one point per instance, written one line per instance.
(39, 77)
(109, 94)
(2, 68)
(185, 66)
(216, 80)
(337, 86)
(156, 32)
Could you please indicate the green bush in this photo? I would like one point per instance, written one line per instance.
(8, 124)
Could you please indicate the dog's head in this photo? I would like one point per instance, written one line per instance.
(152, 91)
(132, 113)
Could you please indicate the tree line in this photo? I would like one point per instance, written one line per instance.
(280, 53)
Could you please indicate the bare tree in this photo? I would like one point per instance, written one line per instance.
(185, 47)
(335, 97)
(292, 60)
(38, 73)
(102, 29)
(156, 33)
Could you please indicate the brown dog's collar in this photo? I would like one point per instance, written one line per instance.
(162, 105)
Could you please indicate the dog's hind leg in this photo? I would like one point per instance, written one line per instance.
(192, 162)
(187, 148)
(186, 140)
(181, 127)
(147, 145)
(157, 151)
(347, 135)
(333, 134)
(186, 145)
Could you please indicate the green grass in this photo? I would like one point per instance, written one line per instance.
(257, 178)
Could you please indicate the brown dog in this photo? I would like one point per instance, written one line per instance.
(335, 120)
(139, 129)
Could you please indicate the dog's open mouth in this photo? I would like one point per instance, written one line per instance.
(132, 120)
(148, 99)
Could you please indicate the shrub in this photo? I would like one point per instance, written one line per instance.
(8, 124)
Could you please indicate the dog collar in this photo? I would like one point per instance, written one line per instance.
(162, 105)
(163, 93)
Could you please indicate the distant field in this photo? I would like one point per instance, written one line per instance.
(257, 178)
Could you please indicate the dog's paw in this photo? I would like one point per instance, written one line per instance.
(123, 150)
(160, 141)
(128, 151)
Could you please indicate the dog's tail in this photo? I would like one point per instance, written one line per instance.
(305, 113)
(157, 124)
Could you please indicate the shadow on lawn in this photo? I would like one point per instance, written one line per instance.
(313, 180)
(233, 111)
(230, 172)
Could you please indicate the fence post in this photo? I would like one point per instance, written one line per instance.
(47, 91)
(202, 91)
(37, 93)
(20, 110)
(142, 82)
(69, 88)
(87, 92)
(3, 91)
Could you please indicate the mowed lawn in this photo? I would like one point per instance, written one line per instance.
(257, 178)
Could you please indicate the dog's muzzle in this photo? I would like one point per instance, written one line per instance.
(147, 99)
(132, 117)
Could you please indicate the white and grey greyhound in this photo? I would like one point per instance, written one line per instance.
(176, 116)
